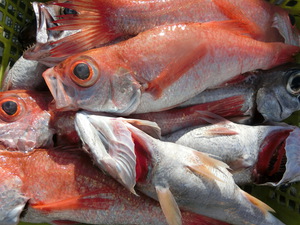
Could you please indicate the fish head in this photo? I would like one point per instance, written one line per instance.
(279, 157)
(46, 14)
(87, 81)
(279, 95)
(285, 24)
(24, 120)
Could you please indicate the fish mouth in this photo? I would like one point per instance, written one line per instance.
(61, 93)
(277, 160)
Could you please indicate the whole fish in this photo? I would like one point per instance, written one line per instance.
(68, 189)
(26, 73)
(160, 68)
(253, 97)
(100, 22)
(260, 154)
(171, 173)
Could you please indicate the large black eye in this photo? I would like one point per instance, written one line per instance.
(67, 11)
(10, 107)
(293, 84)
(82, 71)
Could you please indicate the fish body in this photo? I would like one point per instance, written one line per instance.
(253, 97)
(68, 188)
(159, 68)
(264, 154)
(103, 21)
(171, 173)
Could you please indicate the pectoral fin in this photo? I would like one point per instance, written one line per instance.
(148, 127)
(176, 69)
(110, 144)
(168, 205)
(262, 206)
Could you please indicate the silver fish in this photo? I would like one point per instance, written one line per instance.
(170, 173)
(264, 154)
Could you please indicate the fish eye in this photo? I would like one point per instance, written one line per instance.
(82, 71)
(293, 84)
(82, 74)
(67, 11)
(11, 109)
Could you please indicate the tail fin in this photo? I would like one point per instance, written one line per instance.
(92, 19)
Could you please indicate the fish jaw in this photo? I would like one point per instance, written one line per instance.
(115, 157)
(281, 105)
(277, 161)
(292, 150)
(63, 98)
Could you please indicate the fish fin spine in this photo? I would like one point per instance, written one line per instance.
(92, 21)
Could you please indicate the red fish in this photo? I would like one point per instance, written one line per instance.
(160, 68)
(26, 122)
(62, 186)
(103, 21)
(250, 98)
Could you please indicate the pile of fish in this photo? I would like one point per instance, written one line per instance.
(150, 112)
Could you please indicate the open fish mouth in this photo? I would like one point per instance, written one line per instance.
(279, 160)
(62, 98)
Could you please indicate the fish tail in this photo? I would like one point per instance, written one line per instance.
(93, 22)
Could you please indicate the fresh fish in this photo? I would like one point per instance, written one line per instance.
(45, 14)
(271, 95)
(264, 154)
(68, 188)
(101, 22)
(170, 173)
(27, 72)
(24, 74)
(160, 68)
(24, 120)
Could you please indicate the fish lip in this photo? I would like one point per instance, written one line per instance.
(62, 101)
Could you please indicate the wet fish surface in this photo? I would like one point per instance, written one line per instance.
(160, 68)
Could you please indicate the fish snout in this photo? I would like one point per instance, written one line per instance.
(61, 93)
